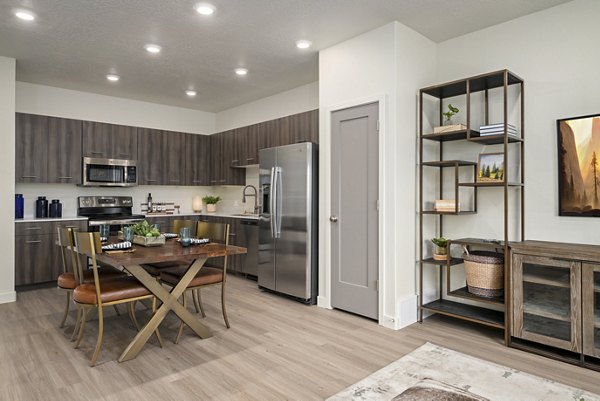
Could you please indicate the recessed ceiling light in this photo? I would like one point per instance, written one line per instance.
(190, 92)
(204, 8)
(153, 48)
(112, 77)
(241, 71)
(24, 15)
(303, 44)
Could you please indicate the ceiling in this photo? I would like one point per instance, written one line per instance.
(73, 44)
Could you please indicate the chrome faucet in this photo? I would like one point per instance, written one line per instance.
(255, 195)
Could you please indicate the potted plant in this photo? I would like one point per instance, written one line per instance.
(449, 114)
(441, 248)
(211, 203)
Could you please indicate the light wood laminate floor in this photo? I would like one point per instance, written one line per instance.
(276, 349)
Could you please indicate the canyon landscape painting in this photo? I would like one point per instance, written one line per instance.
(579, 166)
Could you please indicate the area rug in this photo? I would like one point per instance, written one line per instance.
(434, 373)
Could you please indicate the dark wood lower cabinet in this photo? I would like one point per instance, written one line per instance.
(555, 297)
(37, 257)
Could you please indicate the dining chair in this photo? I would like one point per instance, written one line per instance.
(208, 275)
(100, 293)
(155, 269)
(71, 277)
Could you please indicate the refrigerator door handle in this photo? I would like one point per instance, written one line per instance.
(273, 195)
(278, 200)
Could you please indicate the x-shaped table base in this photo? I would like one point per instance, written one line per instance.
(169, 303)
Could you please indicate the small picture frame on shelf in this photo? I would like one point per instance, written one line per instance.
(490, 168)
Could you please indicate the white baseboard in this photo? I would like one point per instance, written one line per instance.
(323, 302)
(407, 314)
(6, 297)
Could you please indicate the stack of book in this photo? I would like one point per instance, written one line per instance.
(497, 129)
(445, 205)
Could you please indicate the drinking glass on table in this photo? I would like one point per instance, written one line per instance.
(185, 236)
(104, 232)
(157, 226)
(128, 233)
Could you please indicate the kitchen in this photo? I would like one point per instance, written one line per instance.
(176, 109)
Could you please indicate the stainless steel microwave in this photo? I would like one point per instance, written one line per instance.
(109, 172)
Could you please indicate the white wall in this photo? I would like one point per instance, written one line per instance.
(387, 65)
(7, 180)
(555, 52)
(51, 101)
(297, 100)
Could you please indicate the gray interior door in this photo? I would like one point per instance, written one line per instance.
(354, 214)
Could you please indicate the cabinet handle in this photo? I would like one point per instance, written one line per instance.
(232, 234)
(29, 176)
(97, 153)
(151, 180)
(173, 180)
(33, 228)
(249, 158)
(33, 242)
(64, 178)
(198, 181)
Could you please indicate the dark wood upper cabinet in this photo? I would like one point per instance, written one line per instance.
(217, 159)
(31, 155)
(251, 148)
(197, 159)
(97, 139)
(151, 145)
(64, 150)
(109, 141)
(174, 158)
(124, 142)
(303, 127)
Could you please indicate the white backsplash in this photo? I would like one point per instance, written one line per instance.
(231, 196)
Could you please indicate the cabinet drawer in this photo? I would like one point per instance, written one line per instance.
(37, 259)
(47, 227)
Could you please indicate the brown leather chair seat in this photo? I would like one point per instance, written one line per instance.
(206, 275)
(155, 269)
(112, 290)
(67, 280)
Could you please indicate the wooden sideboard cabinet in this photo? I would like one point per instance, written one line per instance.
(555, 296)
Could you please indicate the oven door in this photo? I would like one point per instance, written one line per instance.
(109, 172)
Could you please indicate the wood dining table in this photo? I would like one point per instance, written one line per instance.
(171, 251)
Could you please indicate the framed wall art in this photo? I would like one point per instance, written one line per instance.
(579, 166)
(490, 168)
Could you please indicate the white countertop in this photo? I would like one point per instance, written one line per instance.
(35, 220)
(216, 214)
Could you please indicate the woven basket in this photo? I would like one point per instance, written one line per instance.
(485, 273)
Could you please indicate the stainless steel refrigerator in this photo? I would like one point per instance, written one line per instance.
(287, 239)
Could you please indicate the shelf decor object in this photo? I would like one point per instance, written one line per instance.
(485, 273)
(441, 248)
(490, 168)
(579, 166)
(448, 190)
(197, 204)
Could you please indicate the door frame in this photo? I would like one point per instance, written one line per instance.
(324, 297)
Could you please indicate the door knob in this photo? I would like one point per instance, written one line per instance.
(333, 219)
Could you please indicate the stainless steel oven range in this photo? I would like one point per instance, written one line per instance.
(116, 211)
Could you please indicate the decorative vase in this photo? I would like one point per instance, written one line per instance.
(211, 208)
(441, 253)
(197, 204)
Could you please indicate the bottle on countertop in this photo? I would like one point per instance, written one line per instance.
(149, 202)
(19, 206)
(41, 207)
(55, 208)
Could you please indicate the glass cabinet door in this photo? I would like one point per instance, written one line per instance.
(546, 301)
(590, 274)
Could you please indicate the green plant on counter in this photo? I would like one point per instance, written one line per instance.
(210, 200)
(145, 229)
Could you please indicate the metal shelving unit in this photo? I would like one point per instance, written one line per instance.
(482, 313)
